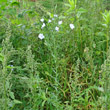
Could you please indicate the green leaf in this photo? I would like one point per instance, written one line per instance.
(0, 49)
(3, 1)
(10, 67)
(15, 4)
(17, 102)
(1, 57)
(7, 85)
(12, 95)
(82, 10)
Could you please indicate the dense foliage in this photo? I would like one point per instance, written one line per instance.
(55, 55)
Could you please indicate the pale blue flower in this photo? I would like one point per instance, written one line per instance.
(72, 26)
(43, 25)
(60, 22)
(41, 36)
(49, 21)
(57, 28)
(42, 20)
(55, 15)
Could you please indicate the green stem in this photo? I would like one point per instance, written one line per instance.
(4, 83)
(107, 38)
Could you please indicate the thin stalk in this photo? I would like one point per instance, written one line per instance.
(4, 83)
(107, 38)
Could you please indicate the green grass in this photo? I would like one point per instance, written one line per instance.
(68, 69)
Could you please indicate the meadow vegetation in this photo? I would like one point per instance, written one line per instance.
(55, 55)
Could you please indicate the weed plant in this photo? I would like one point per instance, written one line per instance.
(54, 55)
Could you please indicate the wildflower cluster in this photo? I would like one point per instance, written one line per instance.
(41, 36)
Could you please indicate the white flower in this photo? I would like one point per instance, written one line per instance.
(72, 26)
(101, 89)
(41, 36)
(55, 15)
(49, 21)
(57, 28)
(42, 20)
(60, 22)
(43, 25)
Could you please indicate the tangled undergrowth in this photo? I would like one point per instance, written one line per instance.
(54, 58)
